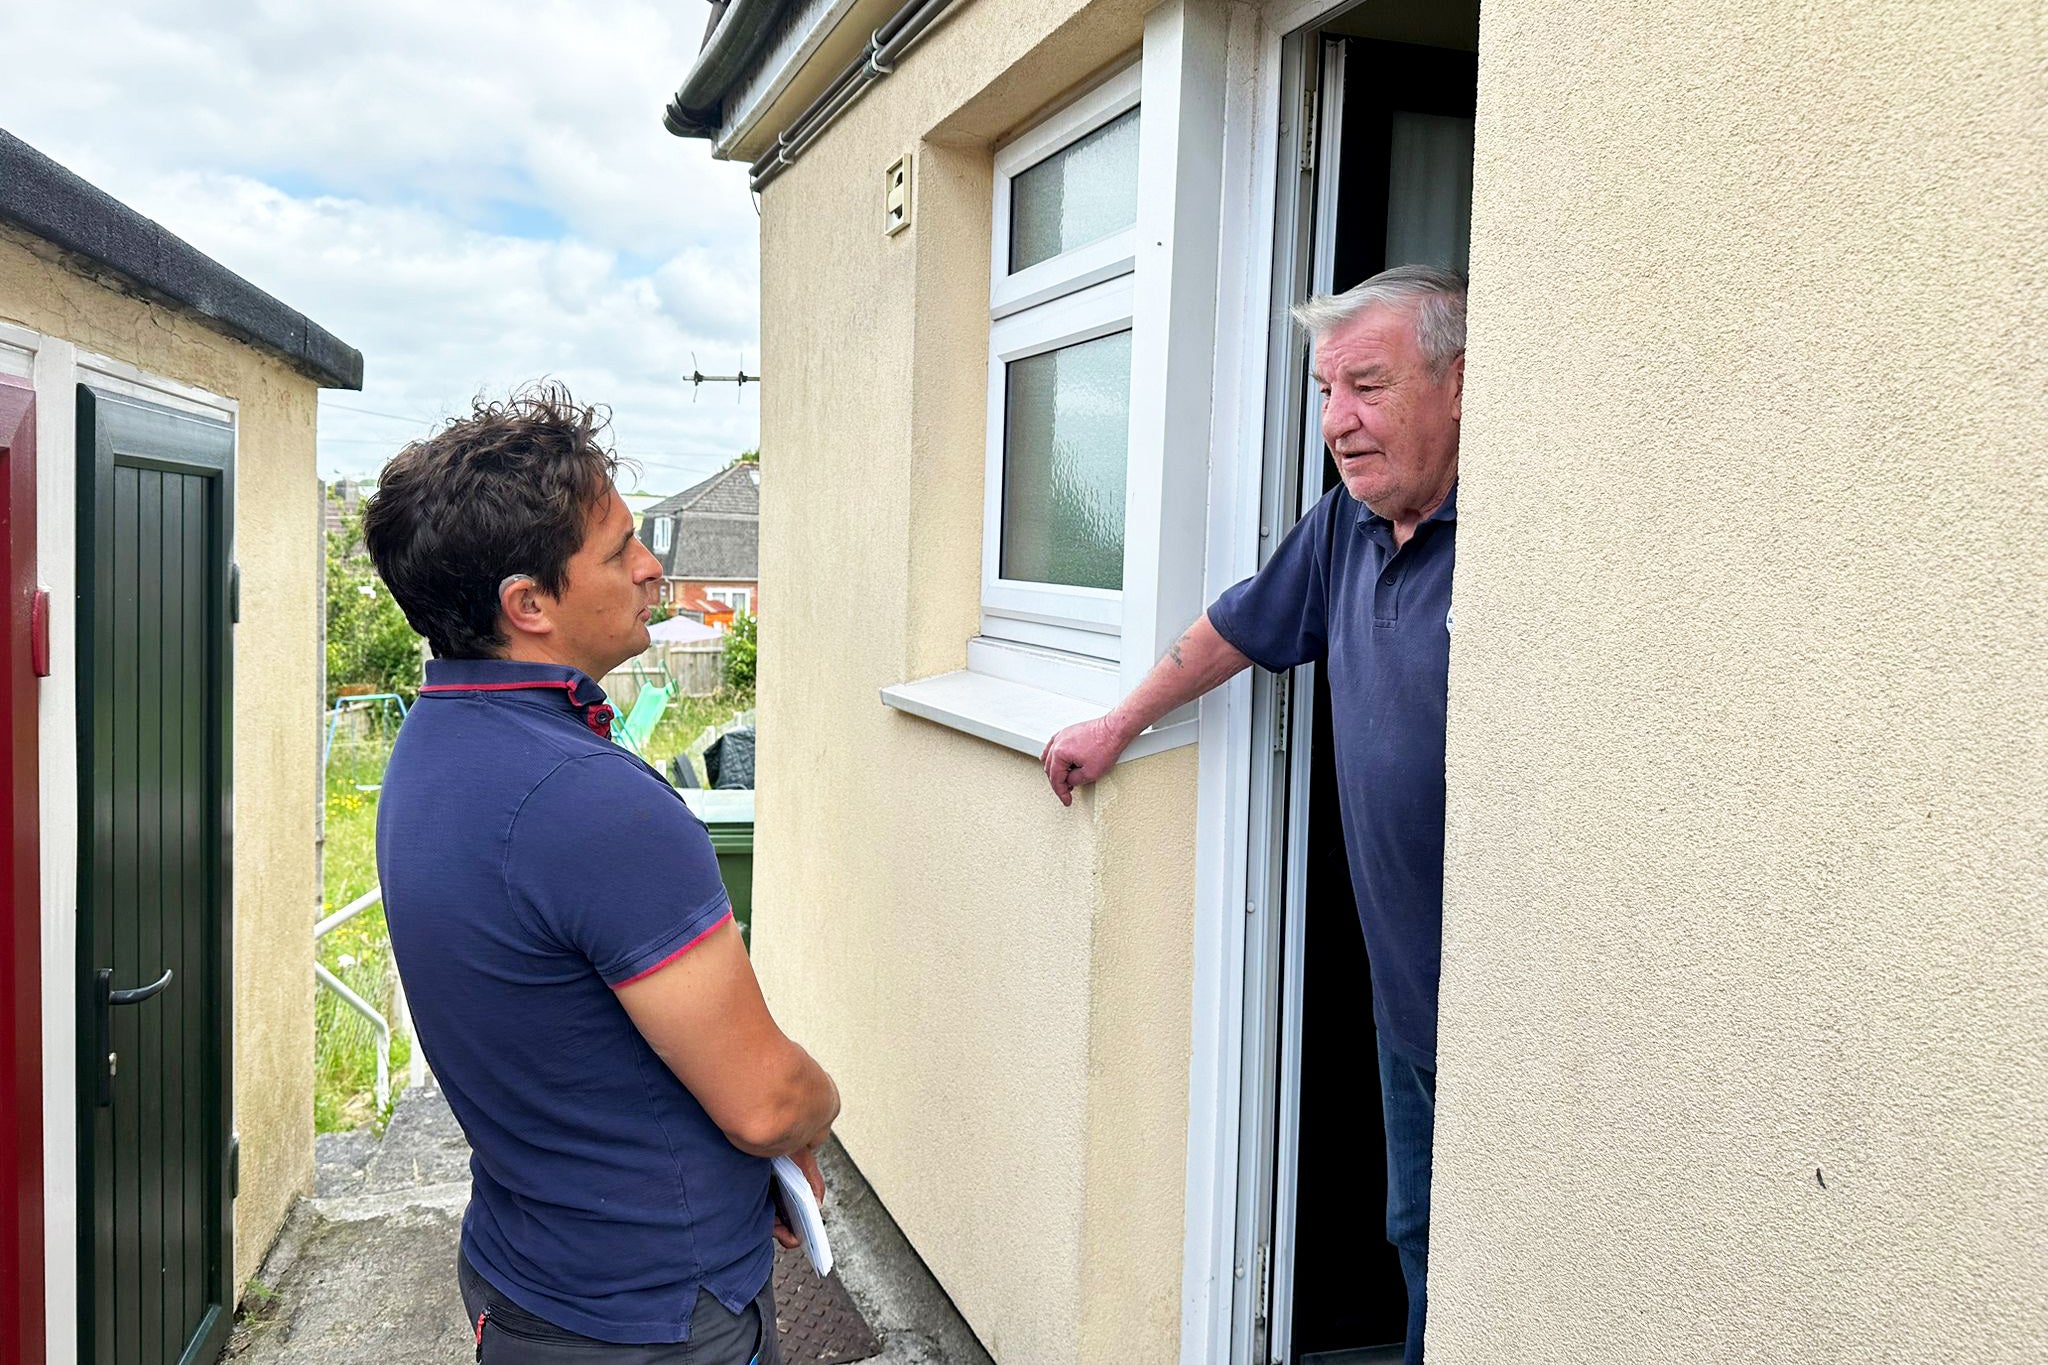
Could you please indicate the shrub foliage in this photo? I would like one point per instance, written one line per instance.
(736, 666)
(369, 643)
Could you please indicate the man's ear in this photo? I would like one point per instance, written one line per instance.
(1458, 389)
(523, 606)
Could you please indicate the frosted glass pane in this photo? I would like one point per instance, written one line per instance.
(1078, 195)
(1429, 191)
(1065, 447)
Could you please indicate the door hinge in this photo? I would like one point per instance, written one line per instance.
(1262, 1264)
(234, 594)
(1309, 103)
(1281, 688)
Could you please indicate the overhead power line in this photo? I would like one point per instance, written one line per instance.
(371, 412)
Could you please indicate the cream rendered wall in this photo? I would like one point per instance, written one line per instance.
(1000, 985)
(1748, 849)
(277, 682)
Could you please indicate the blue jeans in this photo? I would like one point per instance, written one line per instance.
(1408, 1096)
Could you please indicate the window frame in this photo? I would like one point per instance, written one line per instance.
(1080, 295)
(1022, 680)
(1089, 263)
(1100, 310)
(664, 535)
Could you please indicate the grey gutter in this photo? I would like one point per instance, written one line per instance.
(49, 202)
(885, 46)
(737, 44)
(730, 50)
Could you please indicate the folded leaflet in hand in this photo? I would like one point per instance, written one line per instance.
(800, 1210)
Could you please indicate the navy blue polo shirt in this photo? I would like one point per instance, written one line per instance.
(530, 868)
(1338, 593)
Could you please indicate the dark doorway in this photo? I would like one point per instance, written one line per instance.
(1402, 189)
(156, 1216)
(21, 959)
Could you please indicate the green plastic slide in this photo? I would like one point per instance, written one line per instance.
(648, 709)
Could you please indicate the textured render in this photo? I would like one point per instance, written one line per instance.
(277, 689)
(1745, 998)
(999, 984)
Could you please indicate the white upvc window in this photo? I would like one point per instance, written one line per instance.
(1102, 336)
(739, 599)
(664, 534)
(1059, 387)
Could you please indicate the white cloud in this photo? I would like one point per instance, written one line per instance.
(472, 194)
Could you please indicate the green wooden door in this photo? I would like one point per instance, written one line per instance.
(155, 1227)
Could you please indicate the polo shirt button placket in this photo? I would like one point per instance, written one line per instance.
(1386, 598)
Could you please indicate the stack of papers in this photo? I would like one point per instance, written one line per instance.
(800, 1210)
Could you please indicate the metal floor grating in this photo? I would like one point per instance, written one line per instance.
(815, 1319)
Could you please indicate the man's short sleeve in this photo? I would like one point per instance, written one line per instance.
(615, 866)
(1279, 617)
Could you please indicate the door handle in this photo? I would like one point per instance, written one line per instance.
(105, 997)
(138, 994)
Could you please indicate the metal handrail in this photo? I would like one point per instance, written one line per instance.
(377, 1021)
(347, 912)
(417, 1072)
(355, 703)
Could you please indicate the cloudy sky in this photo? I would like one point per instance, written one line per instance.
(471, 194)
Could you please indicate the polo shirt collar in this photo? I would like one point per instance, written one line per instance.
(575, 688)
(1447, 511)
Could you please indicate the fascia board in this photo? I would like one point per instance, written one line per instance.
(821, 39)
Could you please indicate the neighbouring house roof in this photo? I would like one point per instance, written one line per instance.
(700, 606)
(717, 527)
(48, 202)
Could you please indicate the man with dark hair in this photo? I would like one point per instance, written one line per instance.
(1362, 584)
(567, 947)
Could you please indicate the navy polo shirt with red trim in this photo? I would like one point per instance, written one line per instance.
(1337, 592)
(531, 867)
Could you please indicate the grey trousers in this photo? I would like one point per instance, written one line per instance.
(507, 1334)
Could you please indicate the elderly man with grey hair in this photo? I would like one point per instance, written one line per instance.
(1363, 585)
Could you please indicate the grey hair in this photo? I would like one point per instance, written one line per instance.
(1434, 296)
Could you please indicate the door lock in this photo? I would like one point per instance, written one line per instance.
(105, 997)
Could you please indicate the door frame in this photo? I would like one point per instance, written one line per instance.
(21, 1033)
(56, 366)
(1245, 728)
(95, 509)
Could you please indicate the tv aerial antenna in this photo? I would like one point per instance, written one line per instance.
(698, 379)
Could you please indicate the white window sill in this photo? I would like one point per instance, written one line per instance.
(1017, 715)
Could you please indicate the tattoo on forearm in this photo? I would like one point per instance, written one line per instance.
(1174, 653)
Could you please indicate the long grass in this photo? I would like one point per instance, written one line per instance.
(359, 952)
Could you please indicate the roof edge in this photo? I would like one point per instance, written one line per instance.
(54, 204)
(730, 50)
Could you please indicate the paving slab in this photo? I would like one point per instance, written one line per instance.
(380, 1288)
(365, 1270)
